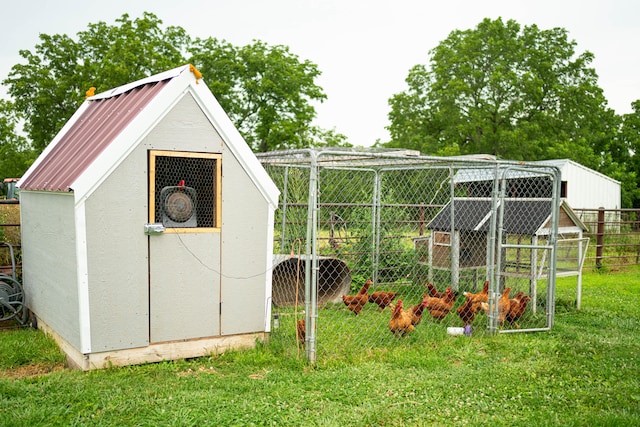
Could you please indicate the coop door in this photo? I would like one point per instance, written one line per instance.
(184, 250)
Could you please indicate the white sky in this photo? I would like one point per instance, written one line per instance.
(363, 48)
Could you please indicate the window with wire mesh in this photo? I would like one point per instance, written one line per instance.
(184, 189)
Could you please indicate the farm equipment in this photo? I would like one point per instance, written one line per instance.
(11, 292)
(10, 191)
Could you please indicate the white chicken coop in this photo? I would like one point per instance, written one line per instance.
(147, 228)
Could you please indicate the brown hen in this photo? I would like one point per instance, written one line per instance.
(433, 292)
(356, 302)
(301, 332)
(517, 307)
(467, 311)
(417, 310)
(482, 296)
(382, 298)
(400, 323)
(440, 307)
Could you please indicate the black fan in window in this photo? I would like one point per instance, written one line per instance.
(178, 205)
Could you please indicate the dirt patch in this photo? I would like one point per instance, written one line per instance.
(8, 325)
(31, 371)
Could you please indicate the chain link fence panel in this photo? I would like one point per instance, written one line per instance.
(462, 245)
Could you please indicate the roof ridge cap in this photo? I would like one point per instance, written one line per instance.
(169, 74)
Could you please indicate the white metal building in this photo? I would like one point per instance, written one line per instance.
(586, 188)
(581, 187)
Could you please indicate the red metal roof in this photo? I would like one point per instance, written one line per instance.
(88, 136)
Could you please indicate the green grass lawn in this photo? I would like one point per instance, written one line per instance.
(585, 372)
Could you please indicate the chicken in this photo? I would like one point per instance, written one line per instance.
(482, 296)
(400, 323)
(467, 311)
(356, 302)
(382, 298)
(504, 303)
(301, 332)
(417, 310)
(440, 307)
(433, 292)
(517, 308)
(472, 304)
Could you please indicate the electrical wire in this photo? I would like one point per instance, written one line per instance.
(299, 242)
(216, 271)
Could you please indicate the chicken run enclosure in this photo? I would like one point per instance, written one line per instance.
(403, 221)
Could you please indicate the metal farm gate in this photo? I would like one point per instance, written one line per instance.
(412, 227)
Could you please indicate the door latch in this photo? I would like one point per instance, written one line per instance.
(153, 229)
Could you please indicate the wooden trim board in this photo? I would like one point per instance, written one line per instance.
(158, 352)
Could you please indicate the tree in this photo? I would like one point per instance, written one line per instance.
(15, 154)
(517, 93)
(52, 84)
(630, 140)
(266, 90)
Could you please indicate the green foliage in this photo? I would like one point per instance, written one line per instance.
(15, 153)
(502, 90)
(630, 141)
(26, 346)
(266, 90)
(10, 214)
(520, 93)
(50, 86)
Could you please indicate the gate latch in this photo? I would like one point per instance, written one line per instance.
(153, 229)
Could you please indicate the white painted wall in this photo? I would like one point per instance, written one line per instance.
(587, 188)
(49, 264)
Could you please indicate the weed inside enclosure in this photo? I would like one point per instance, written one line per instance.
(462, 245)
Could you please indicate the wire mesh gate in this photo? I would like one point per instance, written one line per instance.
(470, 240)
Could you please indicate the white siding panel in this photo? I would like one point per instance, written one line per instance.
(245, 239)
(49, 261)
(589, 189)
(185, 286)
(82, 279)
(185, 128)
(118, 258)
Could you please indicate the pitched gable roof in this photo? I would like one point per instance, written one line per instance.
(521, 216)
(89, 133)
(112, 123)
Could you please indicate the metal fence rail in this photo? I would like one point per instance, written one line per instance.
(10, 233)
(615, 236)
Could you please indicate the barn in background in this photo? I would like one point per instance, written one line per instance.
(581, 187)
(147, 228)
